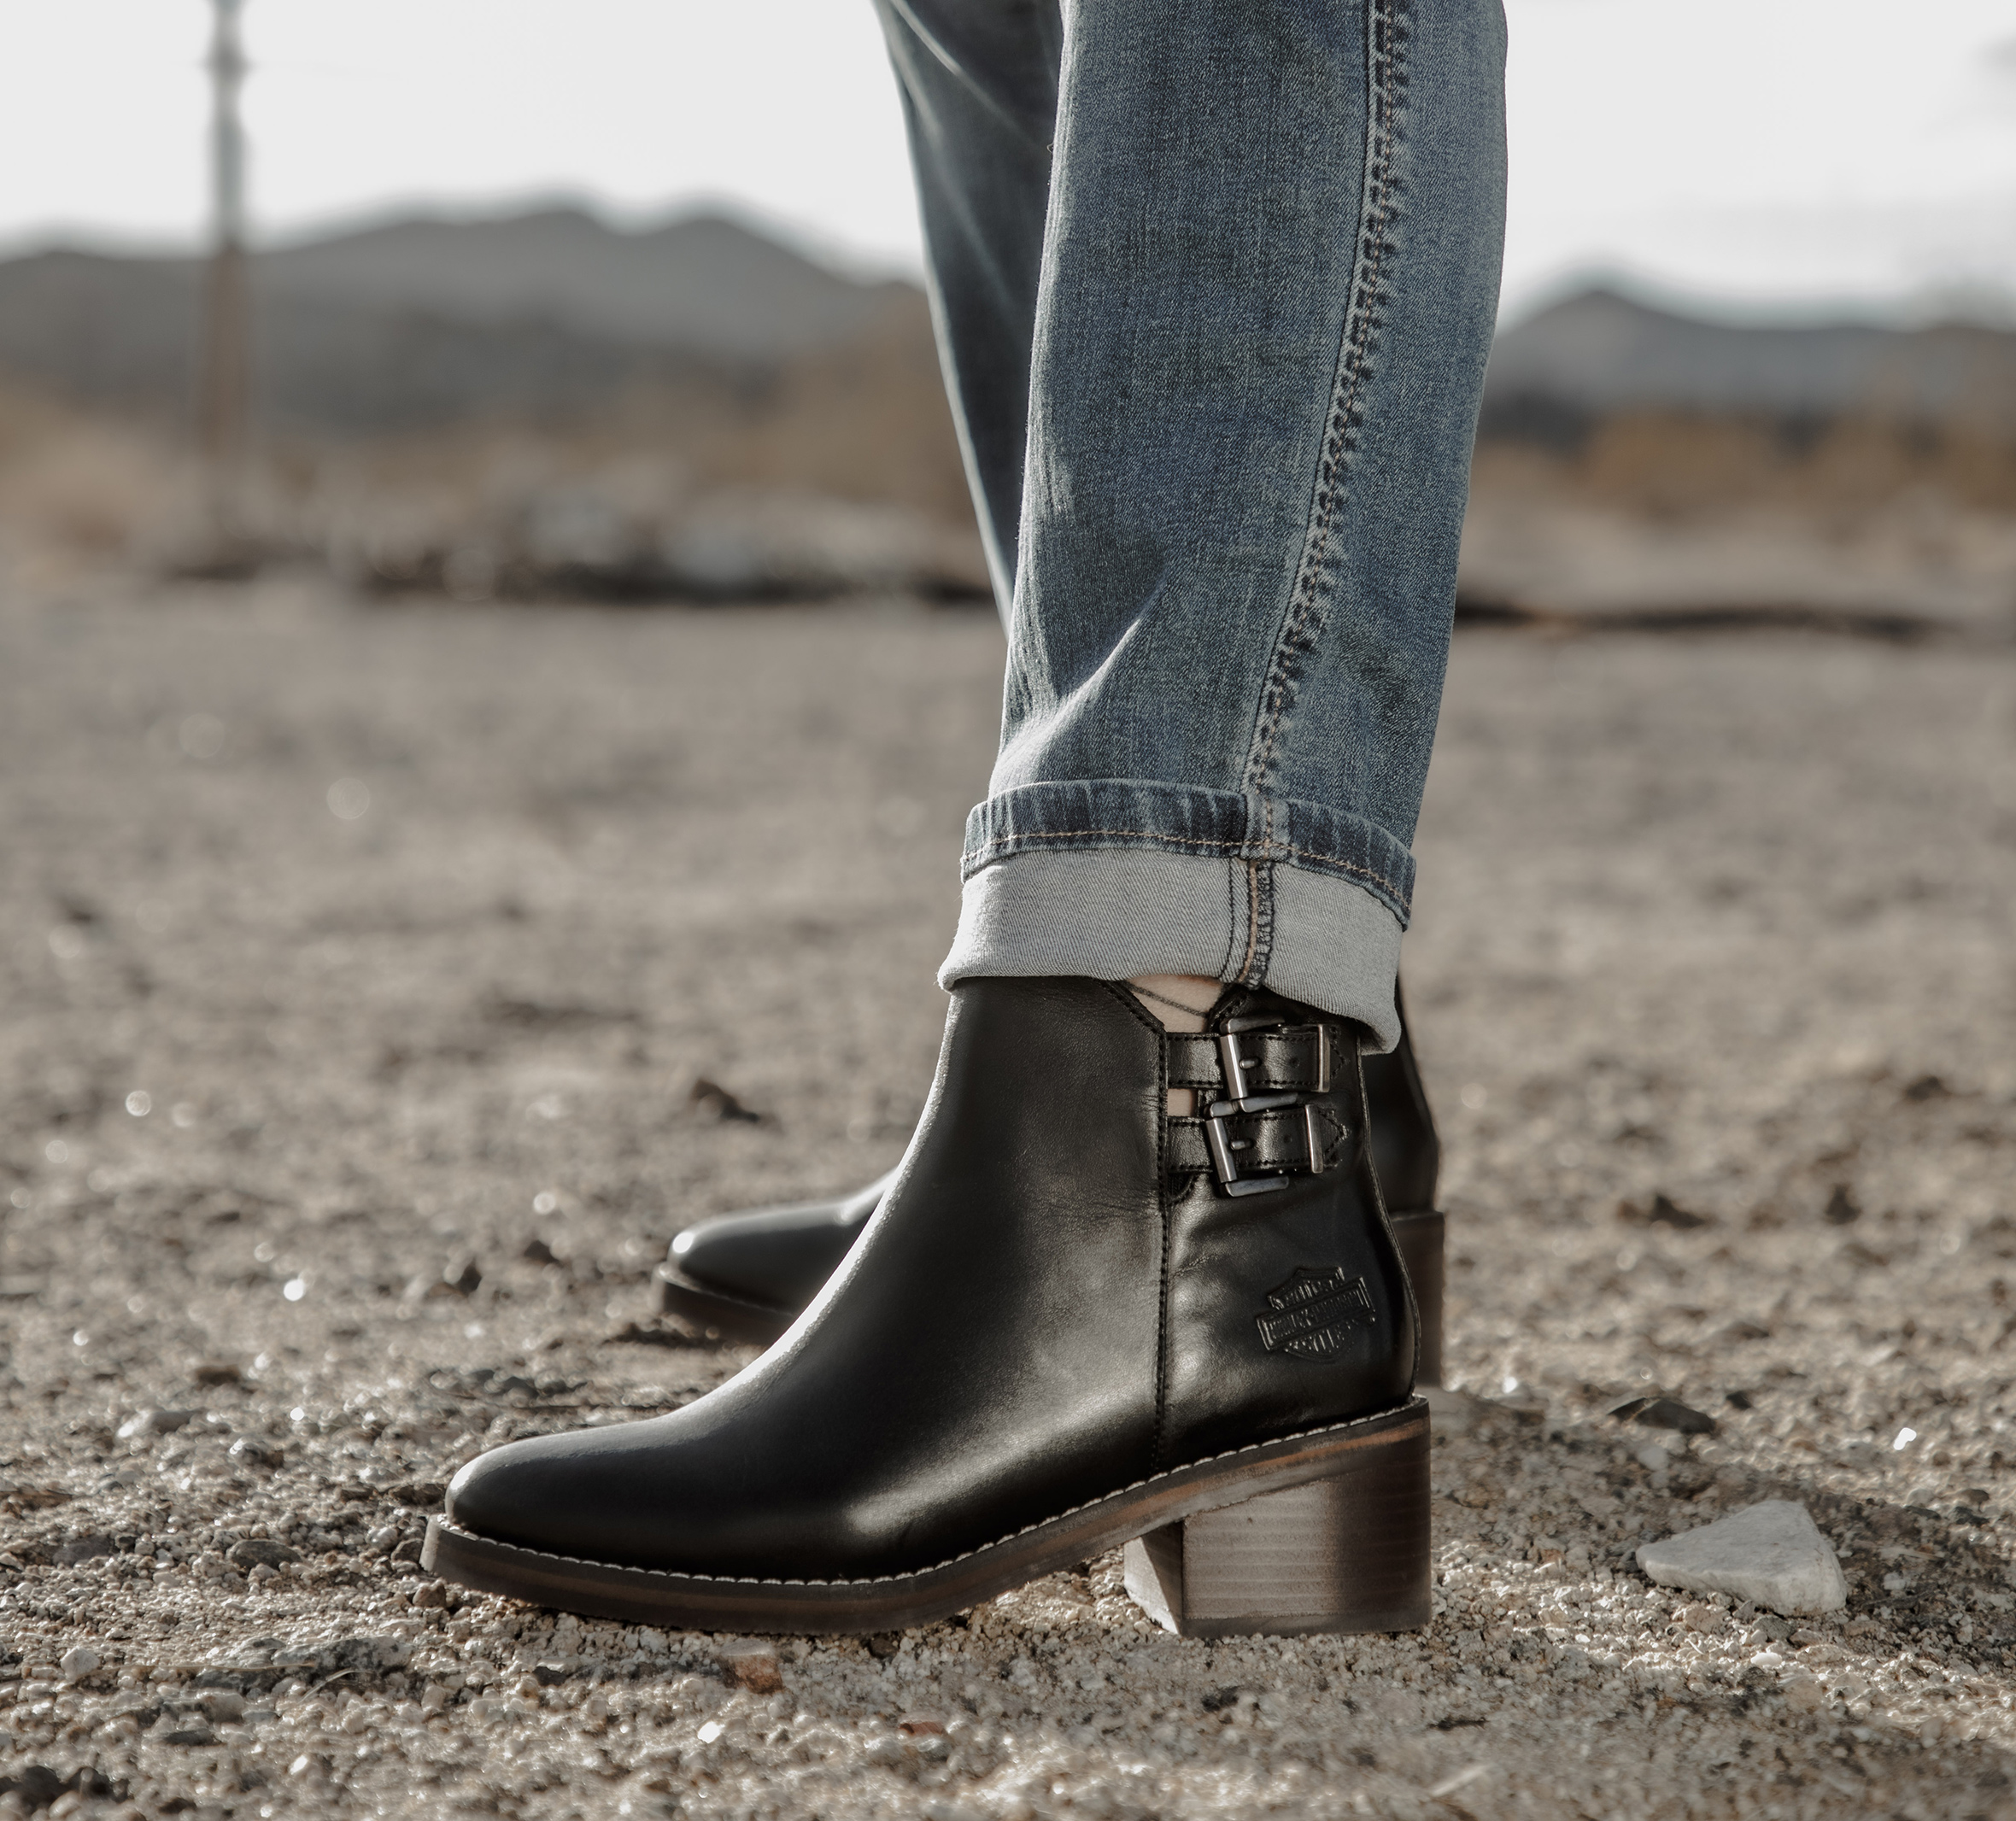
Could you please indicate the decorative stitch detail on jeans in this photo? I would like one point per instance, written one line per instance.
(1263, 923)
(1365, 316)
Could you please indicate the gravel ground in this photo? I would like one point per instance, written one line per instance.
(359, 968)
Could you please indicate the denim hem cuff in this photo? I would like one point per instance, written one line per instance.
(1221, 825)
(1117, 912)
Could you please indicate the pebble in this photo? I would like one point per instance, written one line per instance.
(155, 1422)
(752, 1665)
(1665, 1412)
(78, 1663)
(1771, 1554)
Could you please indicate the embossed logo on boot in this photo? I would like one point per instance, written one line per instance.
(1307, 1316)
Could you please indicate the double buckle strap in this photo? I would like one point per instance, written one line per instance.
(1232, 1124)
(1219, 1139)
(1309, 1048)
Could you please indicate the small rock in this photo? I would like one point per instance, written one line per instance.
(751, 1665)
(83, 1549)
(551, 1675)
(263, 1552)
(1740, 1330)
(538, 1252)
(913, 1724)
(155, 1422)
(217, 1372)
(1771, 1554)
(434, 1698)
(1664, 1212)
(431, 1595)
(256, 1450)
(1803, 1693)
(651, 1334)
(714, 1100)
(1842, 1211)
(78, 1663)
(189, 1736)
(38, 1786)
(459, 1278)
(223, 1704)
(1665, 1412)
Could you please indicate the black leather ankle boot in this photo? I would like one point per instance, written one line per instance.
(1074, 1322)
(745, 1276)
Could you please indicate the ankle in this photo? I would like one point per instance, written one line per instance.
(1183, 1003)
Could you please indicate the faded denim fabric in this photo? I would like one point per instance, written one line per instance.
(1215, 282)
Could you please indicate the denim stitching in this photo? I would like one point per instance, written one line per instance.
(1262, 922)
(1384, 37)
(1176, 842)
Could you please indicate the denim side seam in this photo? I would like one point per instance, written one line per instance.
(1304, 616)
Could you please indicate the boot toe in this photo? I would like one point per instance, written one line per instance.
(548, 1493)
(780, 1255)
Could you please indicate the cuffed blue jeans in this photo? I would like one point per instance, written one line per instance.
(1215, 282)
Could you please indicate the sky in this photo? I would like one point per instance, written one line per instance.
(1763, 156)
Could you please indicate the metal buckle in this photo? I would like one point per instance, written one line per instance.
(1234, 1066)
(1220, 1143)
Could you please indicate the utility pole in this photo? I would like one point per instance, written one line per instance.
(226, 397)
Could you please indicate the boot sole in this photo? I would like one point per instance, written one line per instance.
(719, 1315)
(1421, 1236)
(1333, 1537)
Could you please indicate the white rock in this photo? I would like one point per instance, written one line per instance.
(1771, 1554)
(80, 1663)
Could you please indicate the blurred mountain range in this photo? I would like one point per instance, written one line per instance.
(1599, 354)
(424, 321)
(544, 405)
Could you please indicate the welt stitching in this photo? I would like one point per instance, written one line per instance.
(1182, 841)
(1340, 437)
(952, 1561)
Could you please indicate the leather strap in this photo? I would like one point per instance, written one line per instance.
(1302, 1059)
(1271, 1143)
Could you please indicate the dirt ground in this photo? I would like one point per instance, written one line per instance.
(357, 966)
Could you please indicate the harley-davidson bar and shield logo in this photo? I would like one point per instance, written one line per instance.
(1307, 1316)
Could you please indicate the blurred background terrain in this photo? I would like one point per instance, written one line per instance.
(544, 404)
